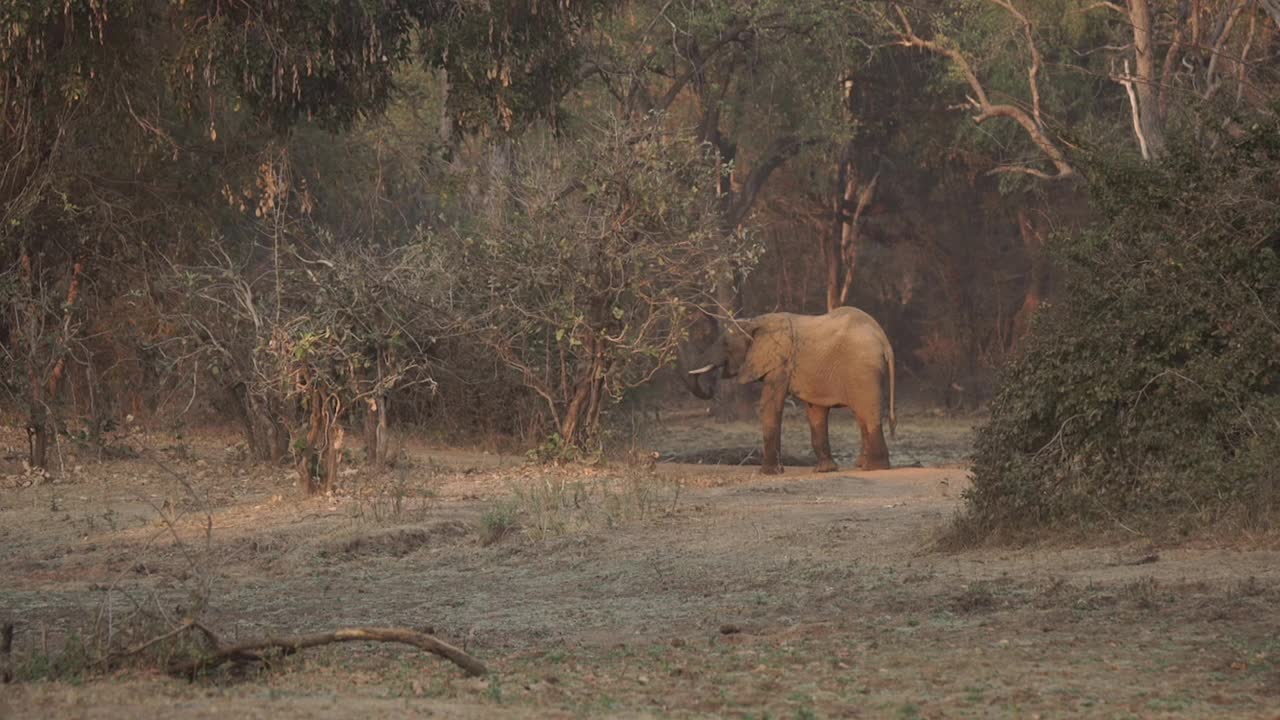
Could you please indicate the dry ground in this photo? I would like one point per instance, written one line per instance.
(680, 590)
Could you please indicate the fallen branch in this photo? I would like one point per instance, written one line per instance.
(293, 643)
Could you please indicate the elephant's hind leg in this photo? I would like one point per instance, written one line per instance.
(819, 435)
(862, 454)
(875, 453)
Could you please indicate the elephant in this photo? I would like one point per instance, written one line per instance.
(834, 360)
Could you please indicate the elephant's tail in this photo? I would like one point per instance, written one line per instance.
(893, 418)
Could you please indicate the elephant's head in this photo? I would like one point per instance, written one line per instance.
(746, 350)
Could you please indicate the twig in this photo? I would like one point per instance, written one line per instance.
(1058, 435)
(293, 643)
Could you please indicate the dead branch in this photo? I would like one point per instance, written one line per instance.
(986, 109)
(293, 643)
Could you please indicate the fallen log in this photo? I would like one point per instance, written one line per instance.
(292, 643)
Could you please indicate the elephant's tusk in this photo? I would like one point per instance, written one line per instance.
(702, 370)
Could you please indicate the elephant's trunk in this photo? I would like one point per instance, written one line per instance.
(699, 367)
(694, 381)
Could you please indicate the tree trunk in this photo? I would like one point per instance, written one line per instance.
(332, 455)
(38, 437)
(582, 416)
(842, 249)
(375, 431)
(375, 419)
(239, 401)
(265, 434)
(318, 462)
(1038, 276)
(835, 240)
(851, 200)
(851, 234)
(1146, 86)
(44, 389)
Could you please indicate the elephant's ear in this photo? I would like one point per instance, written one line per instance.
(770, 350)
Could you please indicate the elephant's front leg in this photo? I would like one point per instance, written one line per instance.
(819, 435)
(771, 403)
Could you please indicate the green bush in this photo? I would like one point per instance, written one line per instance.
(1150, 395)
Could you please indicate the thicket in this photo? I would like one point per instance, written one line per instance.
(1149, 396)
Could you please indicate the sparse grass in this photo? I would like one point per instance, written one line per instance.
(1247, 588)
(391, 496)
(975, 597)
(909, 710)
(557, 504)
(497, 522)
(1144, 593)
(70, 663)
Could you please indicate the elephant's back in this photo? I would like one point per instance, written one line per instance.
(852, 316)
(839, 354)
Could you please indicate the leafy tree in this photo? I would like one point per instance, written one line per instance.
(579, 281)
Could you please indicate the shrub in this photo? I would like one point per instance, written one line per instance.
(1152, 391)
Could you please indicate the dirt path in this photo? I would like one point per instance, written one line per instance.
(623, 591)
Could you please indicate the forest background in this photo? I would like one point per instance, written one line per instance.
(507, 220)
